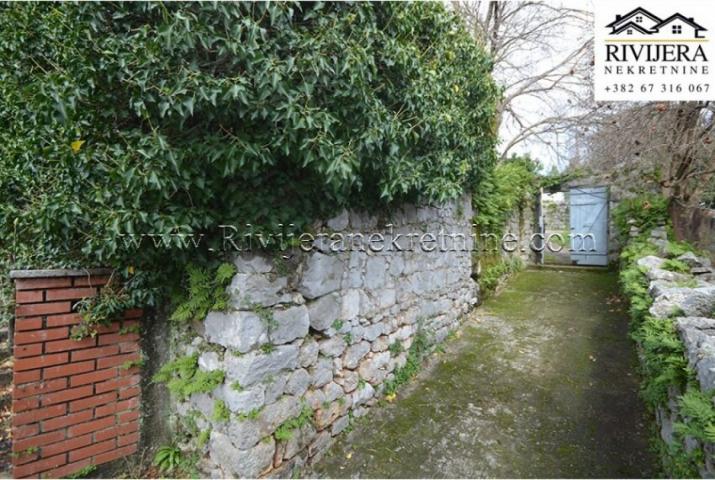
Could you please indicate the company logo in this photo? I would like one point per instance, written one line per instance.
(642, 22)
(655, 53)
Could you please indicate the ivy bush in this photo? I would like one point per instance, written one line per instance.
(169, 118)
(646, 211)
(505, 188)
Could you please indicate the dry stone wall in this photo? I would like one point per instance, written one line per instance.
(312, 339)
(690, 296)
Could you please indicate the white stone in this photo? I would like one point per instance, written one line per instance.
(333, 391)
(275, 387)
(241, 463)
(322, 275)
(250, 289)
(322, 372)
(350, 305)
(298, 382)
(339, 425)
(254, 366)
(339, 222)
(324, 311)
(209, 361)
(252, 263)
(350, 381)
(309, 352)
(243, 400)
(290, 324)
(241, 331)
(362, 395)
(373, 331)
(375, 272)
(332, 347)
(355, 353)
(372, 368)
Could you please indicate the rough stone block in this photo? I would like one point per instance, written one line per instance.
(290, 324)
(324, 311)
(241, 463)
(254, 366)
(322, 275)
(241, 331)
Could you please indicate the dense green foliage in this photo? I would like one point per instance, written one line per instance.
(504, 189)
(664, 367)
(161, 118)
(204, 291)
(644, 211)
(495, 271)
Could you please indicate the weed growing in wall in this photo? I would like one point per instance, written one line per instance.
(285, 431)
(183, 377)
(204, 292)
(416, 354)
(664, 368)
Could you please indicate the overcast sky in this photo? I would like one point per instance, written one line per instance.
(558, 152)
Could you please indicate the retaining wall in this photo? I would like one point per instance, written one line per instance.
(317, 336)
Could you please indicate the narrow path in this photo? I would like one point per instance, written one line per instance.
(540, 383)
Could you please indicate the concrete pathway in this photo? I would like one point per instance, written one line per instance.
(540, 382)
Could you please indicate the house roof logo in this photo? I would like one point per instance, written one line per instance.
(640, 21)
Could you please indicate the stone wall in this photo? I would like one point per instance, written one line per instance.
(75, 403)
(692, 297)
(523, 224)
(555, 208)
(696, 225)
(312, 339)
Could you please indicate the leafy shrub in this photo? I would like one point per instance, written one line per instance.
(153, 118)
(492, 274)
(221, 413)
(676, 249)
(285, 431)
(646, 211)
(697, 408)
(501, 191)
(664, 366)
(415, 356)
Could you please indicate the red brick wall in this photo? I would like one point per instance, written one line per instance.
(75, 403)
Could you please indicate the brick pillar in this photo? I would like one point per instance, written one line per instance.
(74, 403)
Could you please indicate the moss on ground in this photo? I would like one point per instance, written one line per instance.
(541, 383)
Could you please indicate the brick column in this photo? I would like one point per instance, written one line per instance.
(74, 403)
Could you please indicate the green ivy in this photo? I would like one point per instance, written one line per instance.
(502, 190)
(175, 118)
(645, 212)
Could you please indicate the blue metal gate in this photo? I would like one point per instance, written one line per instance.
(588, 211)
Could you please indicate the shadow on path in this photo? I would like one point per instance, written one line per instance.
(540, 383)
